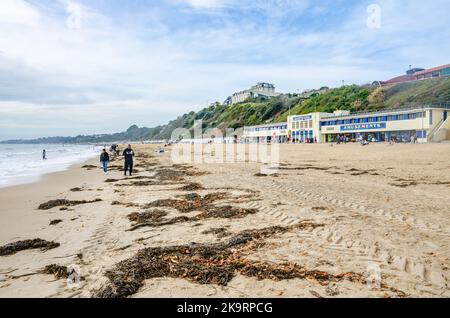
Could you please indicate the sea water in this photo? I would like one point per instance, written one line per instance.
(21, 164)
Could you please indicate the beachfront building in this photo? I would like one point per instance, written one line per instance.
(266, 133)
(420, 123)
(264, 90)
(424, 123)
(305, 128)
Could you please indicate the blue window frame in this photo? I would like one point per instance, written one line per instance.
(421, 134)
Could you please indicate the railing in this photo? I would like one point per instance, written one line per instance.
(436, 129)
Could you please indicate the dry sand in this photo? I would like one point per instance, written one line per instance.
(379, 207)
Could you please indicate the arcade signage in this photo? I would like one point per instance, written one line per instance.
(302, 118)
(372, 126)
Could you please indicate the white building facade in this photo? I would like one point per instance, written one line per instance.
(421, 124)
(266, 133)
(259, 90)
(424, 124)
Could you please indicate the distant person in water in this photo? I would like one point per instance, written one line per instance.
(44, 155)
(128, 154)
(104, 159)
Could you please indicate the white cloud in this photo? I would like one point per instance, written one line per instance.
(206, 3)
(18, 12)
(154, 66)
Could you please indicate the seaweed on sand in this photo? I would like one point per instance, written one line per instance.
(166, 174)
(58, 271)
(89, 167)
(191, 187)
(111, 180)
(192, 202)
(13, 248)
(211, 264)
(177, 173)
(221, 232)
(209, 212)
(306, 167)
(64, 203)
(224, 212)
(150, 216)
(259, 174)
(145, 183)
(128, 205)
(55, 222)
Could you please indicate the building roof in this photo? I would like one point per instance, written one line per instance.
(400, 79)
(435, 69)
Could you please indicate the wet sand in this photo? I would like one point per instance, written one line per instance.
(328, 219)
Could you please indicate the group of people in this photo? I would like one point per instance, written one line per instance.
(128, 155)
(342, 140)
(303, 141)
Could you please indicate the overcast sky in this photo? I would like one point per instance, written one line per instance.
(98, 66)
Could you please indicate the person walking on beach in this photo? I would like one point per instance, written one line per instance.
(104, 159)
(128, 154)
(44, 155)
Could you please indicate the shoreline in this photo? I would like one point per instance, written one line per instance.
(49, 184)
(38, 171)
(382, 205)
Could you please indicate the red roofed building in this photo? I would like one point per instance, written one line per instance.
(418, 74)
(440, 71)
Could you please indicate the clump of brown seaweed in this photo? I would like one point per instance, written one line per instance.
(60, 272)
(212, 264)
(13, 248)
(64, 203)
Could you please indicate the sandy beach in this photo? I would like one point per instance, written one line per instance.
(327, 220)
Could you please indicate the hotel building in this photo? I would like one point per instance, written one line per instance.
(424, 123)
(259, 90)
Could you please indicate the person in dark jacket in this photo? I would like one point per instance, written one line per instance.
(128, 154)
(104, 159)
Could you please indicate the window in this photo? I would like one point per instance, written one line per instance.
(421, 134)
